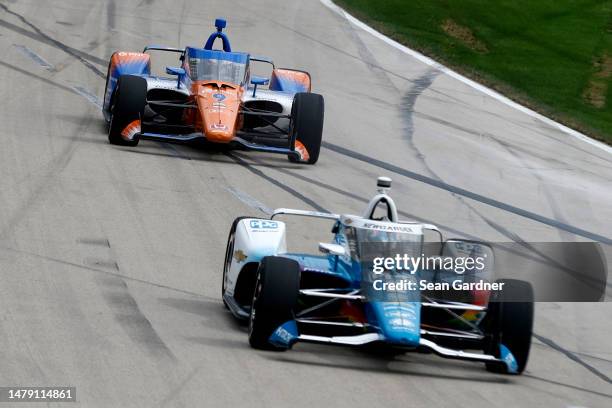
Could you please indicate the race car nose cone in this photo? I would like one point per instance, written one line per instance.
(399, 322)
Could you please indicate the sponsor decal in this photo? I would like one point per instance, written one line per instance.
(397, 314)
(285, 335)
(131, 130)
(387, 227)
(403, 316)
(263, 225)
(400, 323)
(508, 358)
(219, 96)
(240, 256)
(218, 126)
(301, 149)
(468, 247)
(129, 54)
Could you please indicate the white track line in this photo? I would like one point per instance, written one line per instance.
(88, 95)
(250, 201)
(488, 91)
(34, 57)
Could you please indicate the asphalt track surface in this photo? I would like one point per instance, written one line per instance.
(110, 257)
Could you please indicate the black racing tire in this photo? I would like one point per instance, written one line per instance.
(107, 118)
(274, 299)
(306, 125)
(128, 105)
(509, 321)
(229, 251)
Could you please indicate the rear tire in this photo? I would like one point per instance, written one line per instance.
(509, 322)
(128, 105)
(306, 126)
(274, 298)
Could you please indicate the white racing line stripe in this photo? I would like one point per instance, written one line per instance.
(250, 201)
(479, 87)
(34, 57)
(88, 95)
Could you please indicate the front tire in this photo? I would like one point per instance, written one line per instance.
(306, 126)
(509, 321)
(274, 299)
(127, 110)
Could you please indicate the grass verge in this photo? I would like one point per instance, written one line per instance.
(554, 56)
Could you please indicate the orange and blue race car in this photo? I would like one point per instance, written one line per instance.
(212, 96)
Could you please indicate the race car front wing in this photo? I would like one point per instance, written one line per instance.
(237, 140)
(286, 335)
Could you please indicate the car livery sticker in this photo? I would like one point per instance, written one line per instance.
(388, 228)
(218, 126)
(508, 358)
(240, 256)
(263, 225)
(285, 335)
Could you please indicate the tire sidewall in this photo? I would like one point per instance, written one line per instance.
(307, 118)
(128, 102)
(273, 303)
(510, 322)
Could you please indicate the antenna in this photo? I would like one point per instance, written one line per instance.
(383, 184)
(220, 23)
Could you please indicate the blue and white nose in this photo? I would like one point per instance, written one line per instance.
(399, 322)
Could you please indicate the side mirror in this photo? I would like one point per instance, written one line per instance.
(333, 249)
(175, 71)
(258, 81)
(178, 71)
(262, 59)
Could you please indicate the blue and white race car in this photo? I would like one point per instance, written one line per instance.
(341, 297)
